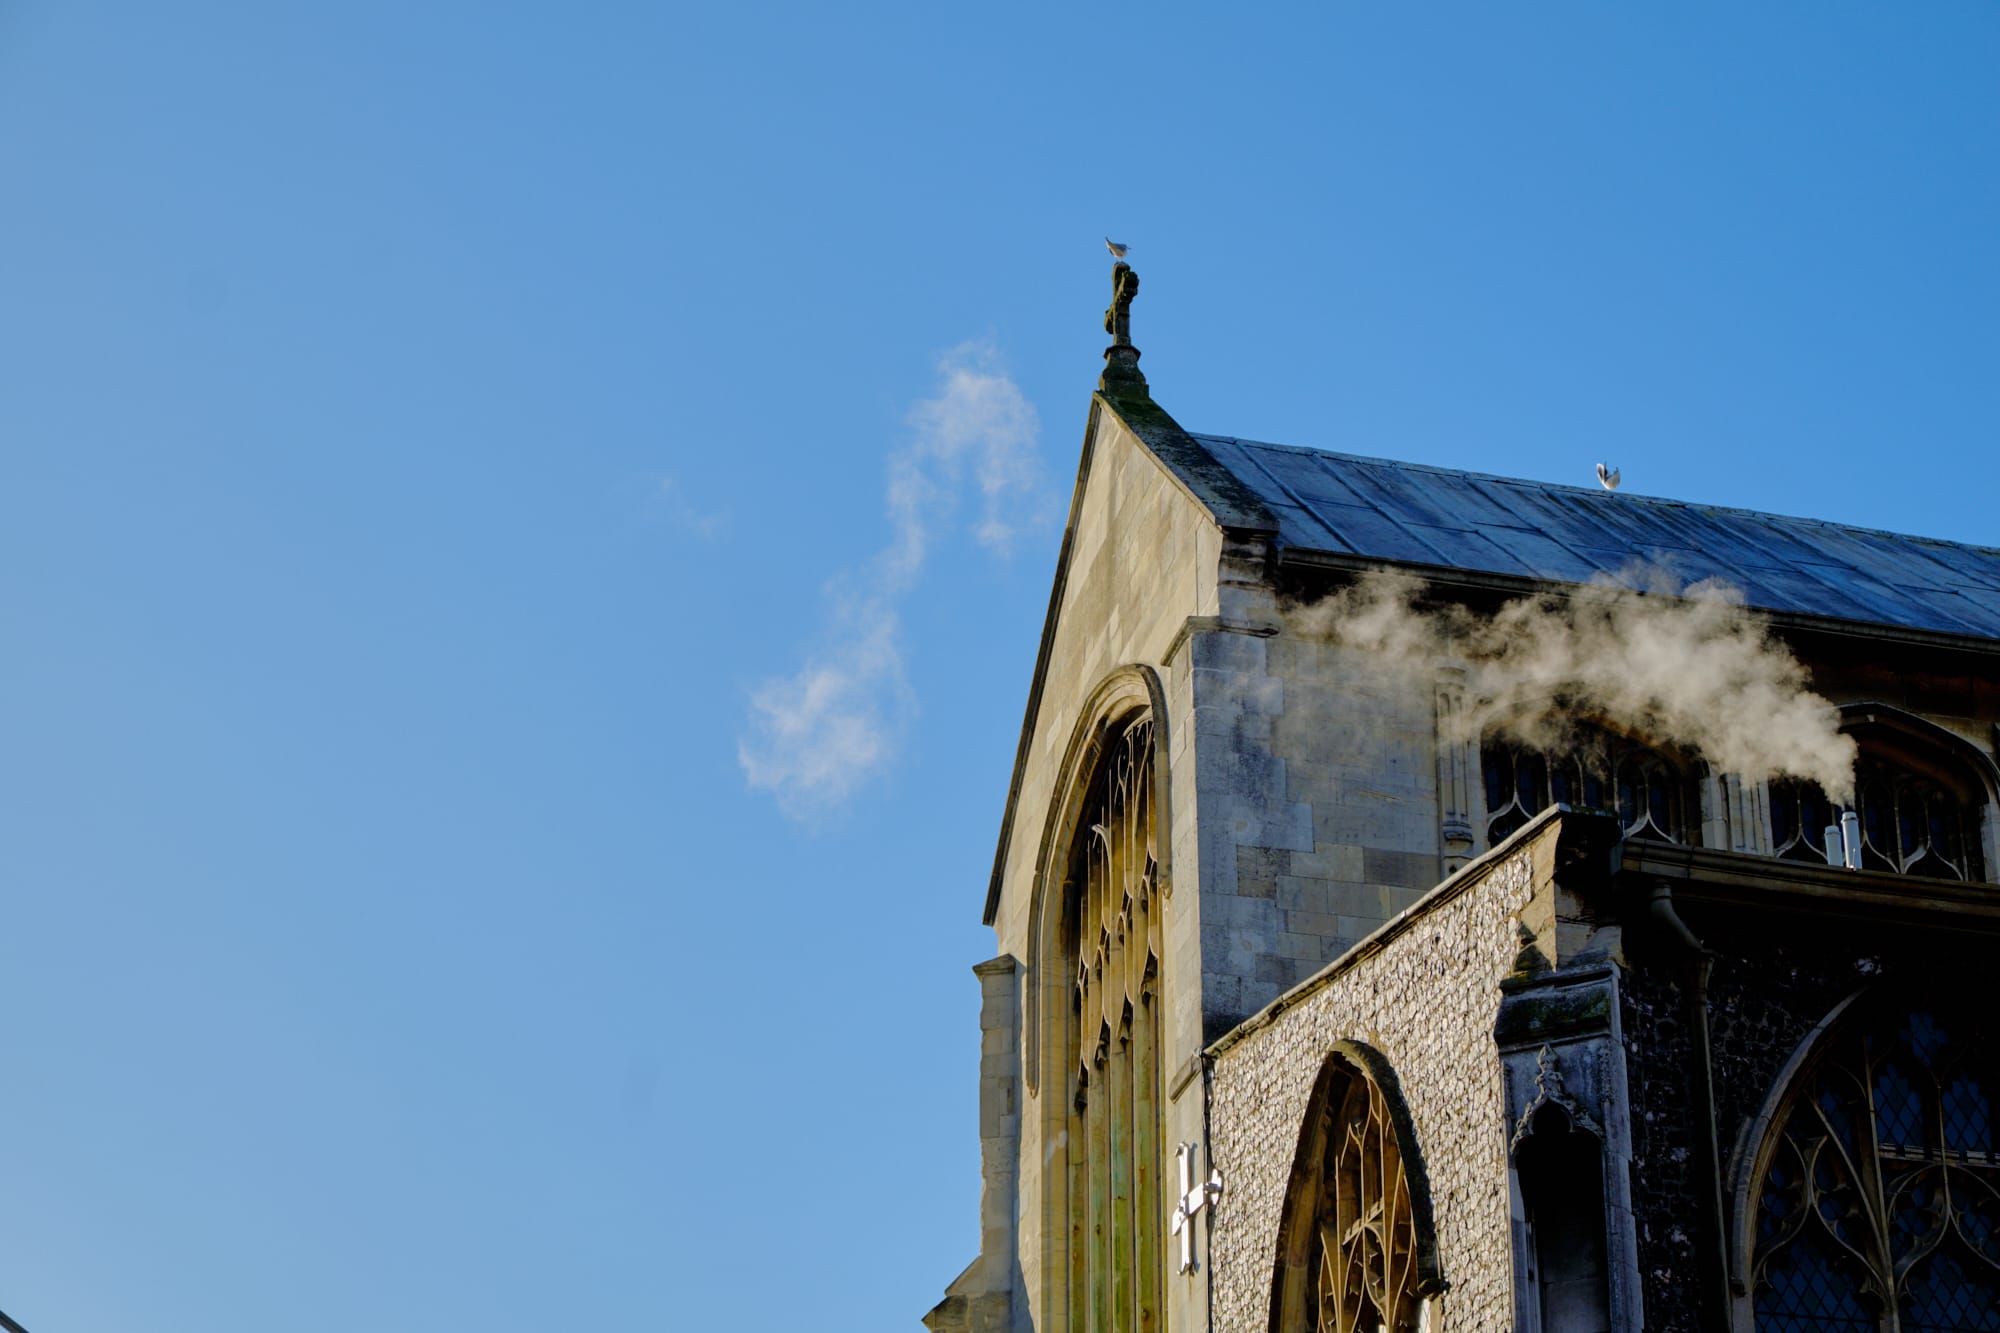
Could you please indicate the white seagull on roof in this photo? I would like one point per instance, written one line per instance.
(1118, 249)
(1607, 477)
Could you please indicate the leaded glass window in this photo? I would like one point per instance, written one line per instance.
(1911, 823)
(1879, 1208)
(1800, 816)
(1596, 769)
(1350, 1261)
(1116, 1209)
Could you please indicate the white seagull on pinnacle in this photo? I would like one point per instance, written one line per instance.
(1118, 249)
(1607, 477)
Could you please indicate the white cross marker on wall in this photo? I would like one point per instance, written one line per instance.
(1193, 1199)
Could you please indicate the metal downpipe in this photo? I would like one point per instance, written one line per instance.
(1708, 1147)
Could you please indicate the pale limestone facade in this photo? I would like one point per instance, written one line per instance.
(1325, 882)
(1301, 803)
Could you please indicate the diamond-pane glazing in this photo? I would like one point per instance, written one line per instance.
(1913, 1209)
(1593, 768)
(1918, 1211)
(1948, 1295)
(1806, 1292)
(1910, 824)
(1899, 1117)
(1966, 1108)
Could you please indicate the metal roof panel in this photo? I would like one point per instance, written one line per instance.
(1978, 606)
(1414, 514)
(1545, 557)
(1472, 550)
(1367, 531)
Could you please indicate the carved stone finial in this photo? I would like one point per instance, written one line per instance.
(1121, 359)
(1550, 1091)
(1118, 316)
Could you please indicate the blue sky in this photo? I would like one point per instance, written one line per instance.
(523, 531)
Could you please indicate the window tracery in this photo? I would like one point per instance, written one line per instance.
(1912, 823)
(1597, 769)
(1879, 1207)
(1351, 1262)
(1116, 1210)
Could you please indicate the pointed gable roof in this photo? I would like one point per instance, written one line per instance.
(1345, 511)
(1215, 488)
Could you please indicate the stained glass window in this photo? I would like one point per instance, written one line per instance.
(1911, 823)
(1116, 1207)
(1880, 1203)
(1596, 769)
(1350, 1261)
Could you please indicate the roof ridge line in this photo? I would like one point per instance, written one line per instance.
(1585, 490)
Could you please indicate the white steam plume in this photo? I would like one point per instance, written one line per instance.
(1684, 667)
(814, 737)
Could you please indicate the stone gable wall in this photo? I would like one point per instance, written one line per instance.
(1426, 999)
(1144, 561)
(1318, 796)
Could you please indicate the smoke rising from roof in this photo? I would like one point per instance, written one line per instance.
(1672, 666)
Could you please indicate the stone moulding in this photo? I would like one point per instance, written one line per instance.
(1560, 1045)
(1473, 871)
(1549, 1091)
(1755, 1143)
(1131, 689)
(1421, 993)
(1194, 471)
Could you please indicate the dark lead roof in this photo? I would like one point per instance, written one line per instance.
(1409, 514)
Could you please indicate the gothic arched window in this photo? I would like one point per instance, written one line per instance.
(1355, 1251)
(1594, 768)
(1115, 1209)
(1878, 1206)
(1916, 818)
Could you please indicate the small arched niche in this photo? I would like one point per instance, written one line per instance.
(1565, 1280)
(1357, 1250)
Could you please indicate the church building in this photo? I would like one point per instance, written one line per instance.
(1429, 900)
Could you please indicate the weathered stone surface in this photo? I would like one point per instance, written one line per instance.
(1425, 995)
(1310, 794)
(1143, 563)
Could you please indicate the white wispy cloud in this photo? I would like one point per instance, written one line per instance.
(685, 515)
(814, 737)
(978, 423)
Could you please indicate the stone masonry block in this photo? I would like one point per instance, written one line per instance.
(1287, 826)
(1416, 870)
(1271, 969)
(1318, 923)
(1326, 862)
(1308, 948)
(1228, 653)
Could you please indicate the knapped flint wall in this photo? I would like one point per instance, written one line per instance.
(1770, 988)
(1426, 998)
